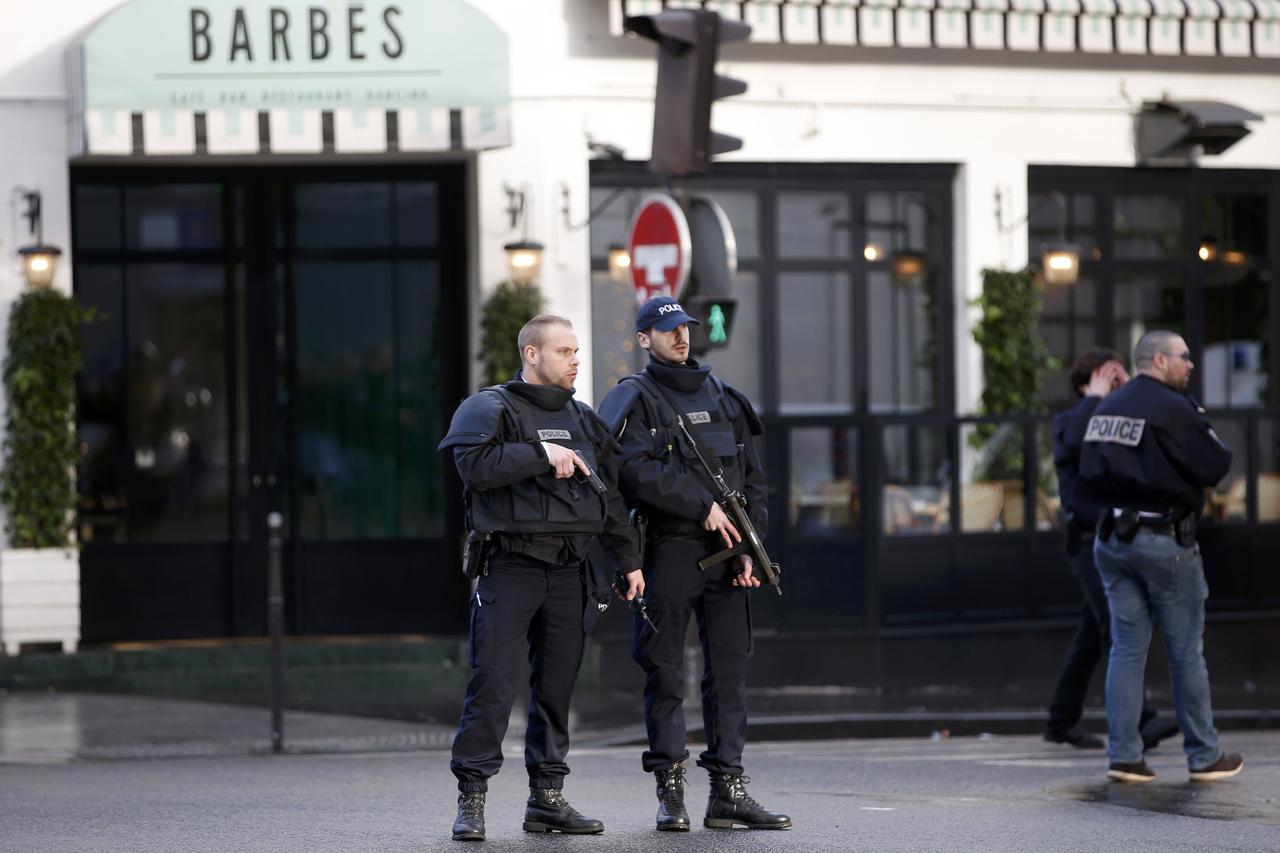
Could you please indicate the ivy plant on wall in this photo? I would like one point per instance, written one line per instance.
(1014, 357)
(506, 310)
(40, 448)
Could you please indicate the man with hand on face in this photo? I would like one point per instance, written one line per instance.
(526, 452)
(1149, 454)
(662, 478)
(1096, 373)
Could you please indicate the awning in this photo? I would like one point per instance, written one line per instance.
(155, 77)
(1207, 28)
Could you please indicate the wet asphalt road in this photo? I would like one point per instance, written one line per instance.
(958, 794)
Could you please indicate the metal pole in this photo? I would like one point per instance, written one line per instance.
(275, 623)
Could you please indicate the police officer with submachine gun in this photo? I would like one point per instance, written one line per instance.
(1149, 454)
(539, 478)
(690, 471)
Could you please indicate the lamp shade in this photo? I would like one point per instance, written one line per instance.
(39, 263)
(619, 265)
(907, 266)
(1061, 264)
(524, 261)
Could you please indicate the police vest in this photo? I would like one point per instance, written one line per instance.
(706, 414)
(545, 503)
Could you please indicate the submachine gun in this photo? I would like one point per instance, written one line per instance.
(751, 544)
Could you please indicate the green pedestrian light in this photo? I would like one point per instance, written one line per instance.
(716, 320)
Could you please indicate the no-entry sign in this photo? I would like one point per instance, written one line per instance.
(659, 247)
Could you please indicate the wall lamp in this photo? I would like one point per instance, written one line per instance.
(39, 261)
(524, 256)
(1059, 260)
(907, 266)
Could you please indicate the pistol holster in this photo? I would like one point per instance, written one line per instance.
(1127, 523)
(475, 554)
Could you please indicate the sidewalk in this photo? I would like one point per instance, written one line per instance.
(394, 694)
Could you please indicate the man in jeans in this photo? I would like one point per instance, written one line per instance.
(1149, 454)
(1095, 374)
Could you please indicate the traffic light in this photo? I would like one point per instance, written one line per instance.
(717, 316)
(688, 45)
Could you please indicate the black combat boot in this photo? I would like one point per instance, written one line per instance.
(672, 815)
(470, 823)
(730, 804)
(549, 811)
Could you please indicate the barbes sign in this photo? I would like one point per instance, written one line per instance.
(325, 54)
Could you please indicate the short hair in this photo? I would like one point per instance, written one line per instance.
(1089, 361)
(1154, 341)
(534, 332)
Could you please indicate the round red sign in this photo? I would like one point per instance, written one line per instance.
(659, 248)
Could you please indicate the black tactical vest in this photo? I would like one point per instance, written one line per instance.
(706, 414)
(542, 504)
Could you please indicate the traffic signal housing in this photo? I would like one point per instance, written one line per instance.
(716, 315)
(688, 45)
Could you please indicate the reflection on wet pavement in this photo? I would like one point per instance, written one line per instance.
(1210, 801)
(54, 728)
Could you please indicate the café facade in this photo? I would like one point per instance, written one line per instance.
(287, 216)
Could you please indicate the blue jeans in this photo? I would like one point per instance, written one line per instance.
(1155, 581)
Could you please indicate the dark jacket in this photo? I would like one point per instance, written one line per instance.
(1151, 448)
(1078, 498)
(658, 472)
(504, 459)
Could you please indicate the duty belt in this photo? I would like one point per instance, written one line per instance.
(1156, 522)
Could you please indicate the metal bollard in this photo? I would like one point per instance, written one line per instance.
(275, 626)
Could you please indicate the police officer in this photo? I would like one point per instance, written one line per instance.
(661, 477)
(1096, 373)
(1149, 454)
(526, 451)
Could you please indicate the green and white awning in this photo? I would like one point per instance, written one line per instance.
(295, 77)
(1206, 28)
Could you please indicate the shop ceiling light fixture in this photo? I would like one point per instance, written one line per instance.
(1059, 260)
(524, 257)
(39, 261)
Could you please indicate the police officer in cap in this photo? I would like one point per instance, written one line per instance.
(662, 478)
(527, 453)
(1149, 454)
(1096, 373)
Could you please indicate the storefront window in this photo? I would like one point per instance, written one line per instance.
(1046, 224)
(1226, 501)
(99, 224)
(167, 416)
(903, 341)
(813, 225)
(1267, 486)
(1145, 301)
(824, 480)
(916, 495)
(815, 356)
(1068, 323)
(101, 405)
(173, 216)
(1234, 362)
(177, 411)
(342, 215)
(1148, 226)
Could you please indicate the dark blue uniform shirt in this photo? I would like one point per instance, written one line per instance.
(1151, 448)
(1068, 440)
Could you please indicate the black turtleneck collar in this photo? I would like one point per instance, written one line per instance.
(550, 397)
(682, 377)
